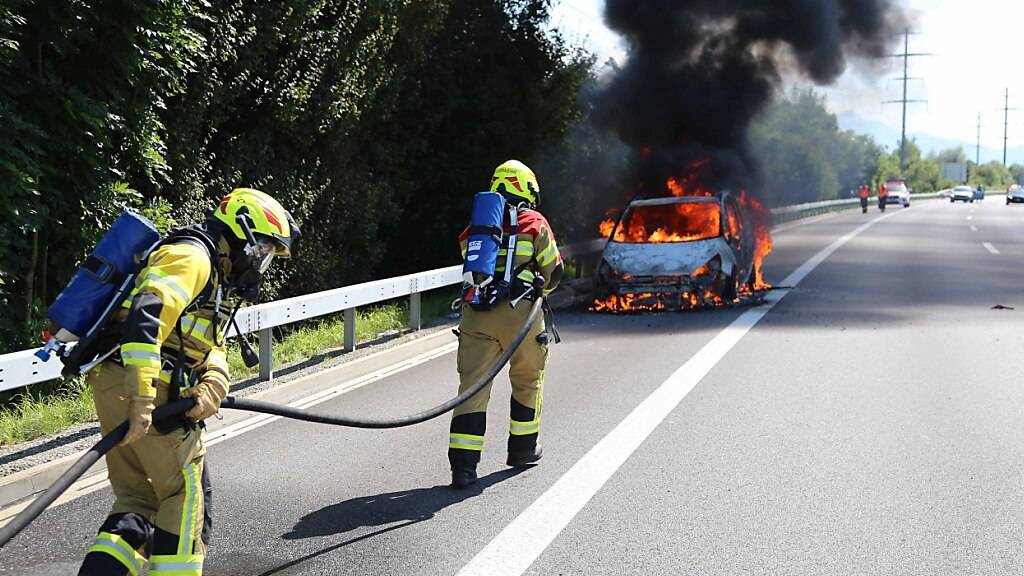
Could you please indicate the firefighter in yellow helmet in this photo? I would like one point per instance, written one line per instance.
(169, 342)
(483, 335)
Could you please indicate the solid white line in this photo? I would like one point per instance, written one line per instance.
(974, 228)
(518, 546)
(988, 246)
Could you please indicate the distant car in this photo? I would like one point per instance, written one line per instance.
(1015, 194)
(944, 193)
(898, 192)
(962, 193)
(653, 250)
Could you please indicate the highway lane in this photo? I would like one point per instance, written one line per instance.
(868, 424)
(873, 426)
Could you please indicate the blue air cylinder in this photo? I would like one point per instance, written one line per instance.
(483, 244)
(87, 296)
(485, 231)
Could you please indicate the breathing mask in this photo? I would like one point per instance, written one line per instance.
(251, 261)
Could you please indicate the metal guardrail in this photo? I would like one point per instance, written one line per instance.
(785, 214)
(23, 368)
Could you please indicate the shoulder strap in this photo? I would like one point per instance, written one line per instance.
(192, 235)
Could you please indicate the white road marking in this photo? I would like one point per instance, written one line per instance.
(974, 228)
(99, 481)
(991, 249)
(518, 546)
(970, 217)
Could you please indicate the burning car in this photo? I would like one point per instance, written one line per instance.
(681, 252)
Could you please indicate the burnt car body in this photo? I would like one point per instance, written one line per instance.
(715, 259)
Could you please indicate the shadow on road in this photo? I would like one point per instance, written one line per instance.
(407, 506)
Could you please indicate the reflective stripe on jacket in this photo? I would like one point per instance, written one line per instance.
(175, 276)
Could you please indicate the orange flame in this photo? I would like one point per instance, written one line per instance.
(683, 223)
(761, 218)
(628, 303)
(669, 223)
(650, 302)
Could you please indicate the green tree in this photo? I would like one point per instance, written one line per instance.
(991, 175)
(374, 122)
(582, 176)
(1017, 172)
(803, 156)
(81, 86)
(952, 155)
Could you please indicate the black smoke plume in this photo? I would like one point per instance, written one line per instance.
(699, 71)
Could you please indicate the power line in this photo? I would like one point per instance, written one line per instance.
(906, 56)
(1006, 122)
(581, 12)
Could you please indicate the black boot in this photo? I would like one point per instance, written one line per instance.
(523, 449)
(519, 459)
(464, 461)
(462, 478)
(134, 532)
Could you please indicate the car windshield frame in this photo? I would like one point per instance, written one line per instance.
(664, 210)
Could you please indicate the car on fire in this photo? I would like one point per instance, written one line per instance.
(679, 248)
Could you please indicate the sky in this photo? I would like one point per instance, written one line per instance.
(977, 52)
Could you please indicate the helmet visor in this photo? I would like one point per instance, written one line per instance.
(262, 253)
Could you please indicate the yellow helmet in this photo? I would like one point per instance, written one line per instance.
(513, 178)
(262, 215)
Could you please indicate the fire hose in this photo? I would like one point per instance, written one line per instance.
(108, 442)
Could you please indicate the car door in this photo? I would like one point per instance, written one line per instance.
(739, 235)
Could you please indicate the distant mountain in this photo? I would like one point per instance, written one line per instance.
(890, 137)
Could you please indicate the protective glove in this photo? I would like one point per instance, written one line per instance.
(140, 418)
(208, 394)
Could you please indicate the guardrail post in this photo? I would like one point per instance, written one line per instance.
(266, 354)
(415, 311)
(350, 329)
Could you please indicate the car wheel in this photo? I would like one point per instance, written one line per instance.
(952, 200)
(725, 287)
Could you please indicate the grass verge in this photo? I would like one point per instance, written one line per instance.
(31, 415)
(48, 408)
(321, 335)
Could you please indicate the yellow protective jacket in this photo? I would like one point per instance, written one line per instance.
(176, 275)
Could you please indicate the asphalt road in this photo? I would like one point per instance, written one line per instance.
(869, 423)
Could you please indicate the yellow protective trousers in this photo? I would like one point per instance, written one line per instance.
(160, 489)
(483, 336)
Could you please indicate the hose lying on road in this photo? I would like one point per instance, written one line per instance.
(353, 422)
(107, 443)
